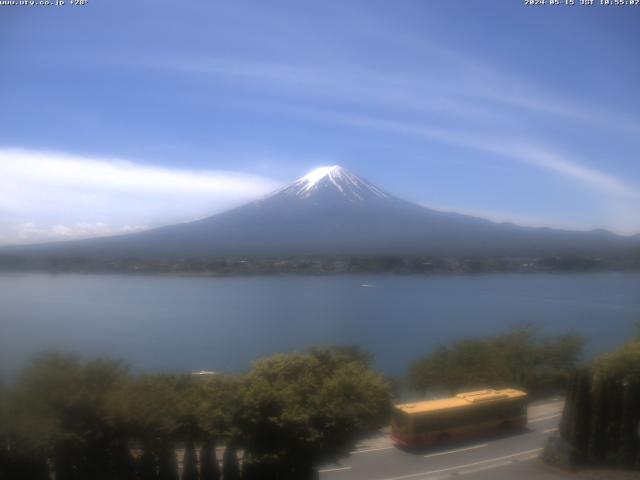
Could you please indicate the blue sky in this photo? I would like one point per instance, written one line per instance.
(118, 116)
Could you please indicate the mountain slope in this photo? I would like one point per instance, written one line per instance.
(332, 211)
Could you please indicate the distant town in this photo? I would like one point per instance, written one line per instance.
(325, 265)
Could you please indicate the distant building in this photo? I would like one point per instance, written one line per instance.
(203, 373)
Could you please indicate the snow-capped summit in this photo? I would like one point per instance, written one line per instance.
(330, 180)
(313, 177)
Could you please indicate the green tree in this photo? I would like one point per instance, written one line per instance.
(62, 407)
(602, 412)
(5, 441)
(345, 353)
(518, 358)
(616, 376)
(19, 458)
(188, 429)
(216, 406)
(151, 404)
(301, 409)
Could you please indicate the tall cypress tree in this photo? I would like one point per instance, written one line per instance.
(597, 440)
(230, 465)
(190, 462)
(38, 469)
(147, 465)
(167, 464)
(63, 464)
(575, 423)
(582, 425)
(24, 465)
(630, 424)
(209, 468)
(614, 410)
(123, 466)
(601, 420)
(569, 417)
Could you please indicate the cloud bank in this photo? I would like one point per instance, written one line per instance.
(56, 196)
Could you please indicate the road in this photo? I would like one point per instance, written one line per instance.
(505, 457)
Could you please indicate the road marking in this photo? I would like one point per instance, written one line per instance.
(337, 469)
(371, 450)
(540, 419)
(526, 458)
(457, 450)
(549, 430)
(422, 474)
(485, 467)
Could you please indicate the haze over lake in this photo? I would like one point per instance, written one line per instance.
(223, 324)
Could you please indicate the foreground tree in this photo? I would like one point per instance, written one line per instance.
(91, 419)
(150, 404)
(230, 465)
(216, 403)
(302, 409)
(188, 431)
(190, 462)
(21, 458)
(209, 467)
(63, 408)
(602, 413)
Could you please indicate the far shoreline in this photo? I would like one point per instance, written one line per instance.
(212, 275)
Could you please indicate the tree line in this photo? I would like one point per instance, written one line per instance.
(522, 358)
(93, 419)
(81, 419)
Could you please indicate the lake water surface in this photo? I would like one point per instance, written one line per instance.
(186, 324)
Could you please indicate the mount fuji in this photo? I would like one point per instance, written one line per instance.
(333, 211)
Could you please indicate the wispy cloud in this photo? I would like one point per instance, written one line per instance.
(562, 165)
(505, 146)
(446, 89)
(353, 85)
(445, 86)
(29, 232)
(45, 196)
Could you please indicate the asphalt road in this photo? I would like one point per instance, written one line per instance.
(495, 457)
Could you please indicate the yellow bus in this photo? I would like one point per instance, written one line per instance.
(463, 416)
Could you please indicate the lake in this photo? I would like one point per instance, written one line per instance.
(223, 324)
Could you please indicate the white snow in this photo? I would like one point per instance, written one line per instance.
(312, 178)
(353, 188)
(345, 182)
